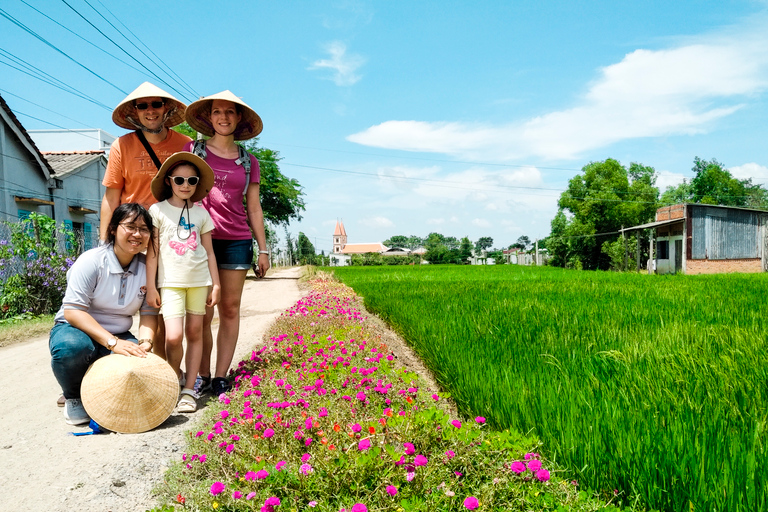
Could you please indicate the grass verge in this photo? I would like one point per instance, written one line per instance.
(24, 327)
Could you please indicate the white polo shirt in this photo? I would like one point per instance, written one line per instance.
(97, 283)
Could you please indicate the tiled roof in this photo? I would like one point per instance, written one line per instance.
(363, 248)
(64, 163)
(339, 231)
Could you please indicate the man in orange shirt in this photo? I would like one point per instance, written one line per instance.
(149, 111)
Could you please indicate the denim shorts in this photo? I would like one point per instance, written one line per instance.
(233, 254)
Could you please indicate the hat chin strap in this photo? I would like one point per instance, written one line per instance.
(143, 128)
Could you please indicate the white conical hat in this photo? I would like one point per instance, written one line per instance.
(147, 90)
(198, 116)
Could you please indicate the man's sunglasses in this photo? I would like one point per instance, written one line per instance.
(145, 106)
(179, 180)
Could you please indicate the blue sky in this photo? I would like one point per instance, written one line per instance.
(408, 117)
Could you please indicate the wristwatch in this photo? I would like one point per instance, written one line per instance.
(111, 342)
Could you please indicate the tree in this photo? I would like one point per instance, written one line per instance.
(523, 243)
(485, 242)
(306, 251)
(397, 241)
(281, 197)
(605, 197)
(465, 250)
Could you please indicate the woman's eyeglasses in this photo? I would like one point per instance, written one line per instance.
(179, 180)
(145, 106)
(133, 228)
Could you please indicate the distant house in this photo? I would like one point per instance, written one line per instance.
(26, 178)
(88, 139)
(707, 239)
(78, 200)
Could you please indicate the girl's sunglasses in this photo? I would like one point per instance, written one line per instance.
(145, 106)
(179, 180)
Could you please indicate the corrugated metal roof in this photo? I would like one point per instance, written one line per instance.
(64, 163)
(656, 224)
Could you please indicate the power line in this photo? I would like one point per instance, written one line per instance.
(178, 78)
(54, 47)
(84, 39)
(113, 42)
(44, 108)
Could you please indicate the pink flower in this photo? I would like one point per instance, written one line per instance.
(534, 465)
(306, 469)
(529, 456)
(409, 448)
(435, 397)
(312, 504)
(471, 503)
(480, 420)
(420, 460)
(450, 454)
(250, 496)
(237, 495)
(269, 433)
(323, 412)
(391, 490)
(542, 475)
(262, 474)
(359, 507)
(410, 476)
(305, 457)
(356, 427)
(518, 467)
(456, 423)
(361, 396)
(308, 441)
(224, 414)
(250, 475)
(273, 501)
(364, 445)
(279, 465)
(217, 488)
(230, 448)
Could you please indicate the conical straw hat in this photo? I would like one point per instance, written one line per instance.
(129, 394)
(198, 116)
(147, 90)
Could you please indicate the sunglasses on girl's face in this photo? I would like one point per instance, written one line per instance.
(179, 180)
(145, 106)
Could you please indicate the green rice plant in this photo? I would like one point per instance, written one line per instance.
(651, 386)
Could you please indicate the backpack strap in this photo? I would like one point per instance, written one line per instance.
(198, 148)
(244, 160)
(145, 143)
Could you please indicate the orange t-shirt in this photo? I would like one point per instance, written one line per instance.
(130, 168)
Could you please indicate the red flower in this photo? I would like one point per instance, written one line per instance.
(181, 499)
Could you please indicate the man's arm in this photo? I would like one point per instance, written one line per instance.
(109, 202)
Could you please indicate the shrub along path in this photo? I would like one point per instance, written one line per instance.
(45, 468)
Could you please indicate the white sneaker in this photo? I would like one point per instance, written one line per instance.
(74, 412)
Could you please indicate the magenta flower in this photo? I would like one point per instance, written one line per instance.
(450, 454)
(364, 445)
(435, 397)
(323, 412)
(262, 474)
(305, 457)
(217, 488)
(391, 490)
(542, 475)
(534, 465)
(224, 414)
(279, 465)
(480, 420)
(361, 396)
(269, 433)
(273, 501)
(420, 460)
(356, 427)
(359, 507)
(308, 441)
(237, 495)
(306, 469)
(250, 475)
(250, 496)
(409, 448)
(410, 475)
(456, 423)
(518, 467)
(471, 503)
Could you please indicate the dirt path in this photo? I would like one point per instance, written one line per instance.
(43, 467)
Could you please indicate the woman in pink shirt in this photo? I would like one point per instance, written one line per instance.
(225, 118)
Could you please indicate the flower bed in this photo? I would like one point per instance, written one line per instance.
(324, 418)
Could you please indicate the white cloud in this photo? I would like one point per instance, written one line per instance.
(668, 179)
(343, 66)
(377, 222)
(649, 93)
(757, 172)
(435, 222)
(481, 223)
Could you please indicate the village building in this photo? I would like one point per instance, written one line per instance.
(706, 239)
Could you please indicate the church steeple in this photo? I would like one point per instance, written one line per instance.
(339, 237)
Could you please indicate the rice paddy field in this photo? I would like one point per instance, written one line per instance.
(651, 386)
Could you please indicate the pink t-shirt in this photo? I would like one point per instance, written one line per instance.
(225, 201)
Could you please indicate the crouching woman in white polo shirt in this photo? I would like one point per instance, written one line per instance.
(106, 286)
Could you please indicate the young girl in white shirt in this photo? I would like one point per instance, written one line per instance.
(182, 263)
